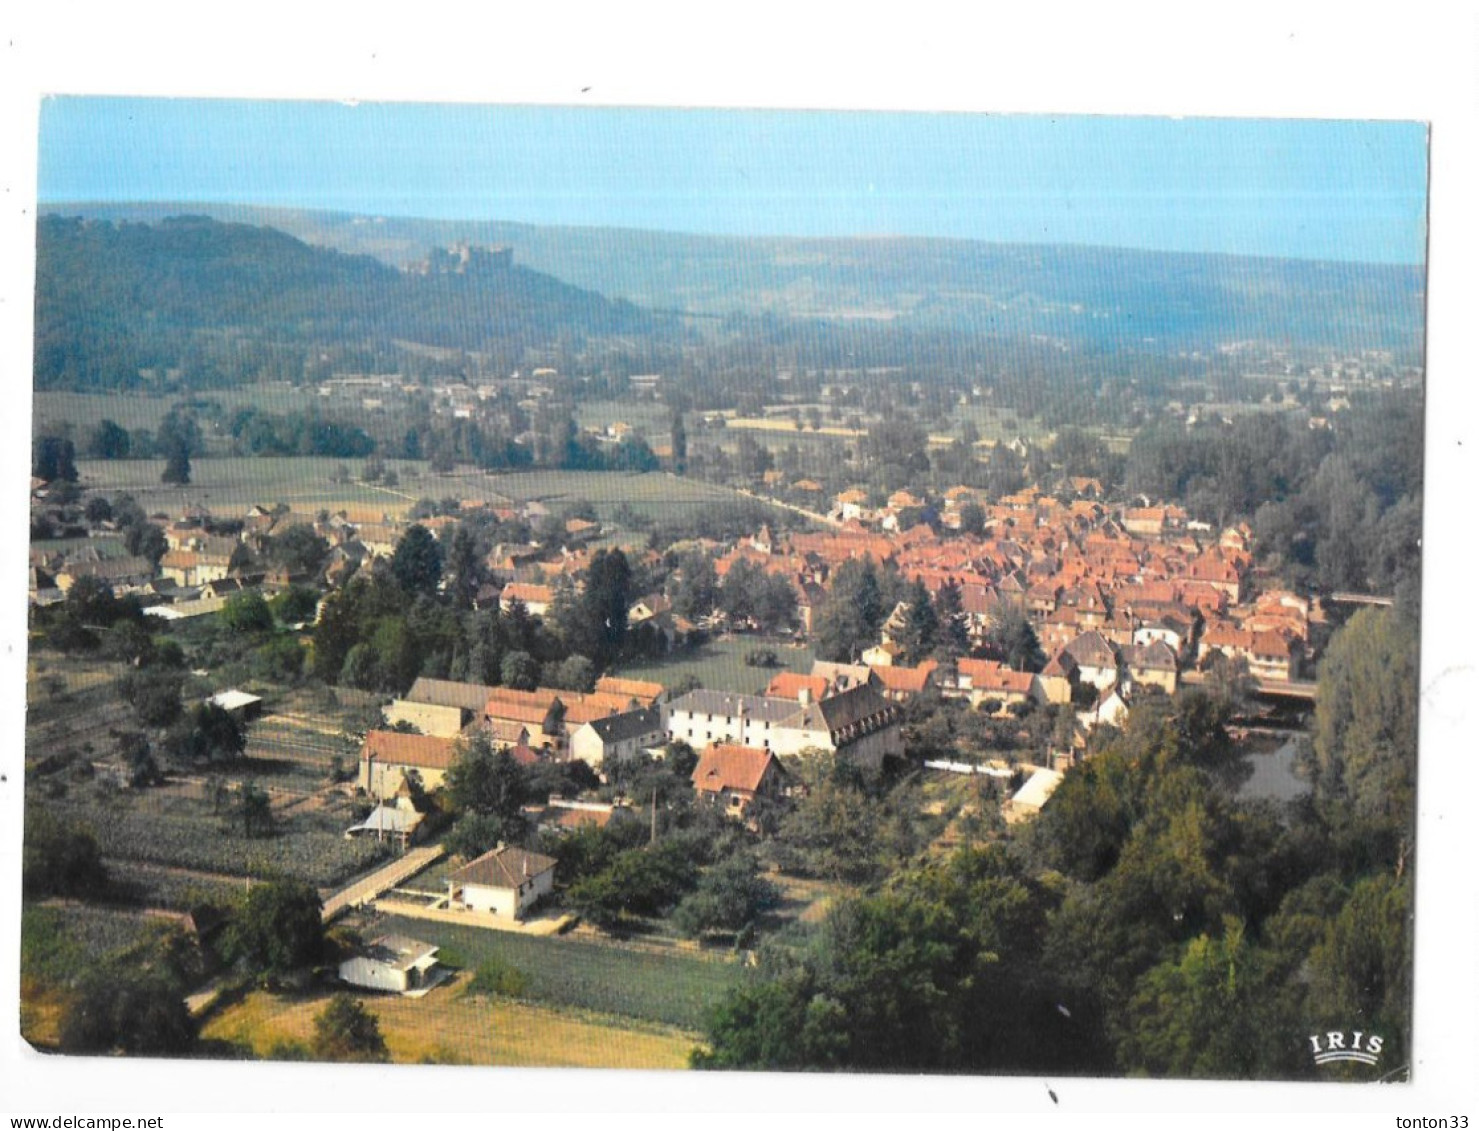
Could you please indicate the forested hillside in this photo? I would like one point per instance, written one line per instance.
(230, 302)
(1091, 296)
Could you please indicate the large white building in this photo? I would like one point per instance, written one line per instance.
(859, 724)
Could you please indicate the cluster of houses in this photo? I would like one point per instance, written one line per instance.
(622, 719)
(1131, 595)
(203, 565)
(1125, 601)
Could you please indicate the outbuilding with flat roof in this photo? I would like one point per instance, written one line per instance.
(395, 964)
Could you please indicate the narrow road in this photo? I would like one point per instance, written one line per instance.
(815, 516)
(381, 880)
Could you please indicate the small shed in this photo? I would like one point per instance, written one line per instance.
(238, 704)
(1029, 800)
(394, 964)
(398, 823)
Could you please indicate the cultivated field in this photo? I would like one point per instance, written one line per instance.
(655, 494)
(175, 827)
(676, 988)
(53, 676)
(720, 664)
(140, 410)
(450, 1027)
(229, 486)
(95, 932)
(171, 888)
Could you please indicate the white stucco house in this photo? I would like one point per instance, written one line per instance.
(617, 738)
(505, 882)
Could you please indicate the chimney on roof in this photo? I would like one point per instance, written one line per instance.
(803, 696)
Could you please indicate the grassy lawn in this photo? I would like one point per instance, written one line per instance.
(60, 941)
(995, 423)
(803, 900)
(449, 1027)
(666, 989)
(720, 664)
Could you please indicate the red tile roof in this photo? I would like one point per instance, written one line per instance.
(732, 767)
(504, 867)
(911, 680)
(789, 685)
(423, 750)
(644, 692)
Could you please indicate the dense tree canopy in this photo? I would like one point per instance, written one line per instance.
(53, 459)
(278, 928)
(345, 1031)
(130, 1011)
(486, 781)
(934, 973)
(1366, 718)
(417, 563)
(849, 619)
(58, 858)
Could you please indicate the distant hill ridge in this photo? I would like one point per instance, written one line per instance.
(1078, 293)
(115, 297)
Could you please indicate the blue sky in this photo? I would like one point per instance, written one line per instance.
(1299, 188)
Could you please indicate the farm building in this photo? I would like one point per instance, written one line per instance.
(507, 882)
(643, 693)
(398, 823)
(439, 706)
(427, 718)
(395, 964)
(561, 815)
(238, 704)
(387, 758)
(1029, 800)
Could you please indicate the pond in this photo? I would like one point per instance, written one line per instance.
(1272, 772)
